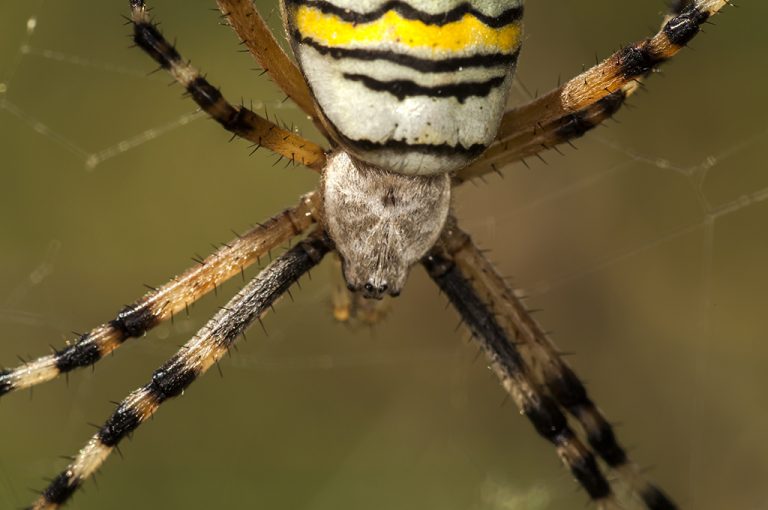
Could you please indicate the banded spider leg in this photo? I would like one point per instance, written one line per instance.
(516, 379)
(164, 302)
(209, 345)
(544, 364)
(238, 120)
(592, 97)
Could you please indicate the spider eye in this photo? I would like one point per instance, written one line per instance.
(369, 287)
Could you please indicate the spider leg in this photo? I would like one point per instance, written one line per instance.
(555, 374)
(516, 378)
(238, 120)
(253, 31)
(189, 363)
(593, 96)
(164, 302)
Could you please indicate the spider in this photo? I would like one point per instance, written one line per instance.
(538, 380)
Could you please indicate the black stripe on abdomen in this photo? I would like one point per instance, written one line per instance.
(424, 65)
(406, 88)
(442, 149)
(406, 10)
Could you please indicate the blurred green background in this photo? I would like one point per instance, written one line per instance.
(645, 248)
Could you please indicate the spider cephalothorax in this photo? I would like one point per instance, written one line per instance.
(384, 199)
(382, 222)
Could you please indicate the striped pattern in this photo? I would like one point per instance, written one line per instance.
(190, 362)
(501, 334)
(590, 98)
(163, 303)
(515, 376)
(553, 372)
(238, 120)
(414, 87)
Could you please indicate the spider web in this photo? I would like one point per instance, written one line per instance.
(645, 248)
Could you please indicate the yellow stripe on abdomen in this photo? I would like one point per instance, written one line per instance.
(468, 33)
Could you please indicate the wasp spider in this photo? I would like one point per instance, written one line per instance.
(410, 95)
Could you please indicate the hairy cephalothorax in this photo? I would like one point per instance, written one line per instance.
(382, 223)
(418, 71)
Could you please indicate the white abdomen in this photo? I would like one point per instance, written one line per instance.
(413, 87)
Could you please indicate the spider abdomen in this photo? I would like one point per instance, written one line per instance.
(410, 86)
